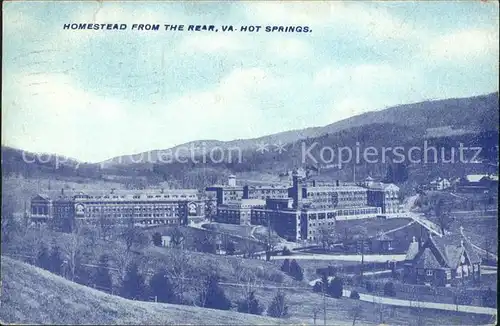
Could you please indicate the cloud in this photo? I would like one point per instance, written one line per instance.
(348, 107)
(465, 45)
(289, 48)
(212, 43)
(17, 21)
(358, 76)
(57, 116)
(367, 19)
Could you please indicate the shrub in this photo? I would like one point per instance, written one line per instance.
(369, 286)
(213, 295)
(230, 248)
(278, 307)
(55, 260)
(285, 267)
(133, 286)
(270, 275)
(389, 289)
(336, 287)
(296, 271)
(157, 239)
(250, 305)
(332, 271)
(161, 287)
(318, 286)
(354, 295)
(101, 277)
(43, 257)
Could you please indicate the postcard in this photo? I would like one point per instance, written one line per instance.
(250, 162)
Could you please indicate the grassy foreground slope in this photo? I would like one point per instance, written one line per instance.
(32, 295)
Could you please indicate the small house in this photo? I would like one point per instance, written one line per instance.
(442, 261)
(381, 244)
(165, 240)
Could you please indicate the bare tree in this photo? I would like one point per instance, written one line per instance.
(316, 310)
(488, 244)
(202, 289)
(73, 250)
(359, 235)
(415, 308)
(35, 236)
(379, 310)
(326, 236)
(105, 225)
(9, 224)
(122, 258)
(249, 248)
(442, 215)
(355, 313)
(249, 282)
(180, 264)
(133, 235)
(177, 238)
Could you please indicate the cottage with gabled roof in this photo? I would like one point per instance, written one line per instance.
(442, 261)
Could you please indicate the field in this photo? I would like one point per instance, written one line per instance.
(31, 295)
(482, 231)
(373, 226)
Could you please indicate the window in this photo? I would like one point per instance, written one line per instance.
(465, 270)
(448, 274)
(429, 272)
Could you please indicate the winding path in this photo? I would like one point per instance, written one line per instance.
(424, 304)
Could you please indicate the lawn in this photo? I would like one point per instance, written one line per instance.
(262, 233)
(300, 298)
(373, 226)
(234, 229)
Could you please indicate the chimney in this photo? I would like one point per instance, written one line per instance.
(232, 180)
(112, 190)
(62, 191)
(337, 183)
(314, 183)
(161, 190)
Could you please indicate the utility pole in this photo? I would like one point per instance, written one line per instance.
(324, 303)
(268, 253)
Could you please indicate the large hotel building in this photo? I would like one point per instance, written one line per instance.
(296, 212)
(174, 206)
(300, 211)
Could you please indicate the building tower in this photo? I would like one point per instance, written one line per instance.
(296, 189)
(231, 180)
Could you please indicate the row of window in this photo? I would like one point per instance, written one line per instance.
(116, 215)
(137, 196)
(132, 209)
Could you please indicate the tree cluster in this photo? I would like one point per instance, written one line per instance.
(293, 269)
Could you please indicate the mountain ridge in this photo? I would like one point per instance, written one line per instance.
(421, 115)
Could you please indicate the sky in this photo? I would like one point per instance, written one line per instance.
(96, 94)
